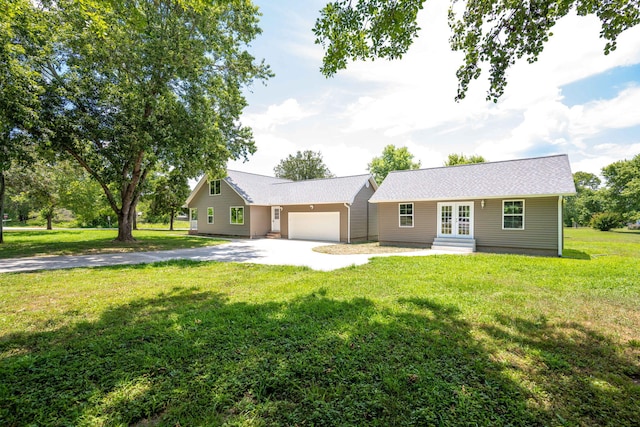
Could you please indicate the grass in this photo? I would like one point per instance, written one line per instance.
(24, 243)
(443, 340)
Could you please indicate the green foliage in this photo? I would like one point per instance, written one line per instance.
(623, 186)
(392, 159)
(304, 165)
(168, 196)
(493, 34)
(461, 159)
(605, 221)
(443, 340)
(136, 86)
(588, 201)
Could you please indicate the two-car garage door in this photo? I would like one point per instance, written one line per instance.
(314, 226)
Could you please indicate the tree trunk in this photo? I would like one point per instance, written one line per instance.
(173, 213)
(2, 187)
(49, 222)
(124, 228)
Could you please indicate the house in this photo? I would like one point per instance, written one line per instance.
(249, 205)
(511, 206)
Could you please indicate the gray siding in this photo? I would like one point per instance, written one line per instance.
(260, 220)
(221, 204)
(334, 207)
(540, 234)
(360, 214)
(373, 221)
(424, 224)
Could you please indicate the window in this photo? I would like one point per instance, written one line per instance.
(214, 187)
(237, 215)
(194, 214)
(209, 215)
(513, 214)
(406, 214)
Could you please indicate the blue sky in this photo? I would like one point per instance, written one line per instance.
(574, 100)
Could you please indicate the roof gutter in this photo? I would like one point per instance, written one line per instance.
(348, 206)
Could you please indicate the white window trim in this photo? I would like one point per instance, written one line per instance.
(231, 216)
(412, 215)
(523, 214)
(212, 216)
(220, 187)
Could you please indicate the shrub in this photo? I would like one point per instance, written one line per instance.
(606, 221)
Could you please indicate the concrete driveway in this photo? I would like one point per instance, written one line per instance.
(257, 251)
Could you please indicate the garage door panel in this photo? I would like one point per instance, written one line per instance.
(314, 226)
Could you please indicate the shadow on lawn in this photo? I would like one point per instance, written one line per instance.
(190, 357)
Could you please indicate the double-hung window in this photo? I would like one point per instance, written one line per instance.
(513, 214)
(214, 187)
(237, 215)
(405, 214)
(209, 215)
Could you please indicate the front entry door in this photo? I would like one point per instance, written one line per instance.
(275, 219)
(455, 219)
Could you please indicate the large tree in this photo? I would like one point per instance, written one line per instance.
(493, 33)
(461, 159)
(588, 201)
(392, 159)
(134, 85)
(303, 165)
(20, 40)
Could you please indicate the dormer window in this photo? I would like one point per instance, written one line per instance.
(214, 187)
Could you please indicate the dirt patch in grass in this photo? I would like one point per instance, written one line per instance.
(364, 248)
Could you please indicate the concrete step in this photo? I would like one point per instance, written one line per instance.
(454, 244)
(273, 235)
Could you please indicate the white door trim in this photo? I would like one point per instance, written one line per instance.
(276, 214)
(457, 225)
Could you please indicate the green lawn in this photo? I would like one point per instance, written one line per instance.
(21, 243)
(487, 340)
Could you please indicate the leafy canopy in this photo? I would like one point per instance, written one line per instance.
(131, 87)
(490, 33)
(392, 159)
(460, 159)
(304, 165)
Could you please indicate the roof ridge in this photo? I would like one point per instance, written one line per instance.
(326, 179)
(482, 163)
(257, 174)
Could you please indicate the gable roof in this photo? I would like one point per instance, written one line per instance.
(540, 176)
(266, 190)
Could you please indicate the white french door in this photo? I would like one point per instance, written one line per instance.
(455, 219)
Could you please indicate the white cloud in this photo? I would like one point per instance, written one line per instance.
(597, 116)
(276, 115)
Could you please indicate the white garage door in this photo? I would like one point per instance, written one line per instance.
(314, 226)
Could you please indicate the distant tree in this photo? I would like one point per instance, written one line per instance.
(623, 187)
(588, 201)
(461, 159)
(168, 196)
(392, 159)
(492, 34)
(304, 165)
(585, 180)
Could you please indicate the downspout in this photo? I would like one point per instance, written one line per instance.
(348, 206)
(560, 228)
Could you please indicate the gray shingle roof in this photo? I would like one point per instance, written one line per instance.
(266, 190)
(540, 176)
